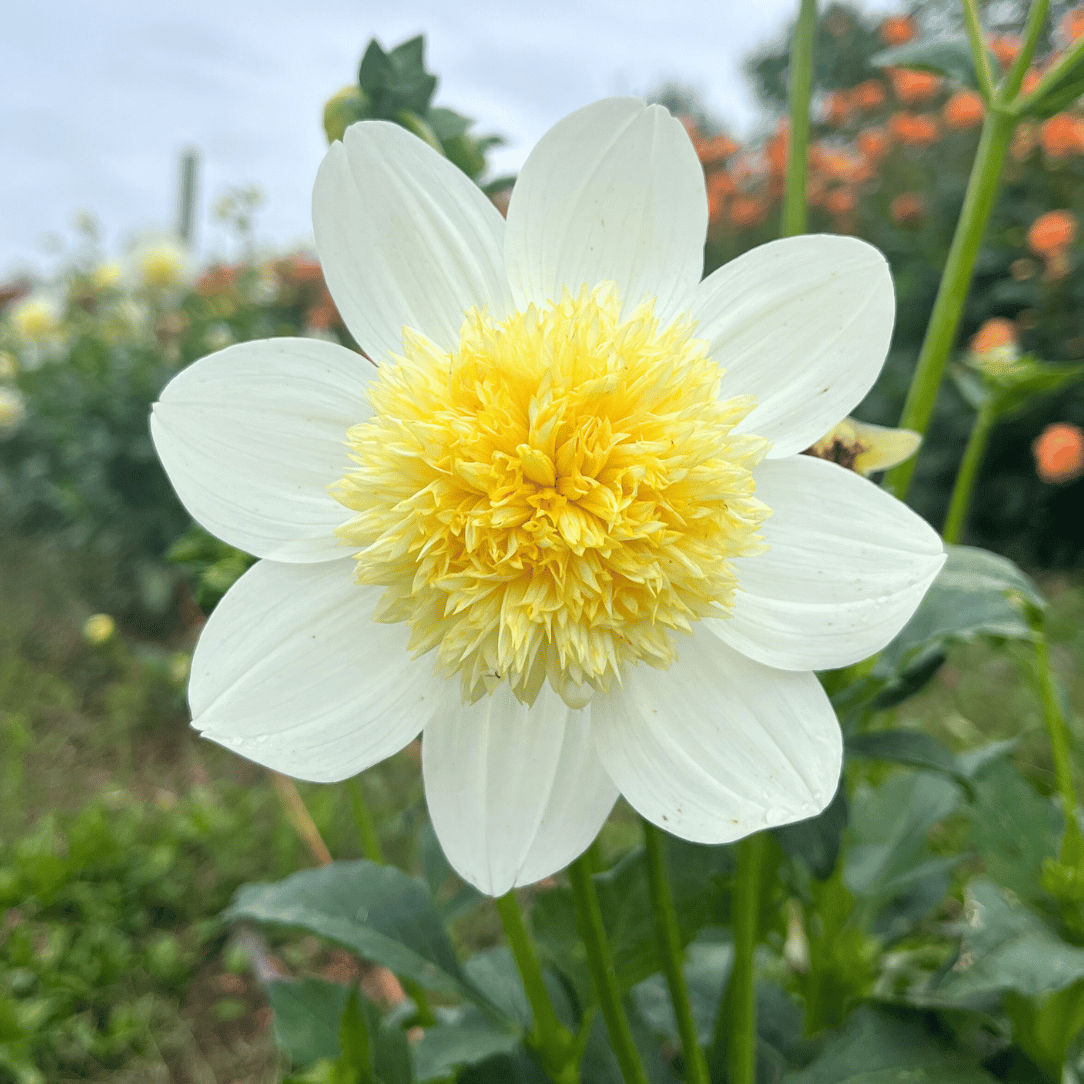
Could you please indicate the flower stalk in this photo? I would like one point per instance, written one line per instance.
(801, 89)
(552, 1040)
(668, 943)
(737, 1025)
(1056, 727)
(603, 979)
(968, 473)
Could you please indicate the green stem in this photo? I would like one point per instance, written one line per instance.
(551, 1039)
(370, 841)
(1056, 727)
(968, 473)
(955, 280)
(980, 58)
(1070, 58)
(740, 1006)
(370, 847)
(668, 942)
(603, 978)
(1010, 88)
(801, 87)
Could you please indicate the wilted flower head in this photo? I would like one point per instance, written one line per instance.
(561, 527)
(864, 447)
(1059, 453)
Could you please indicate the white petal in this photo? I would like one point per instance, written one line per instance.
(515, 793)
(292, 672)
(847, 567)
(803, 324)
(404, 238)
(613, 191)
(251, 437)
(718, 746)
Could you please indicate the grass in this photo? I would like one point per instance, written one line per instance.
(123, 835)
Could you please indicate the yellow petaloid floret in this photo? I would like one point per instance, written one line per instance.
(554, 499)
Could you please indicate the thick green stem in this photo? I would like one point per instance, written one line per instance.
(551, 1039)
(955, 280)
(968, 473)
(740, 1005)
(370, 847)
(801, 87)
(1056, 727)
(668, 943)
(370, 841)
(603, 978)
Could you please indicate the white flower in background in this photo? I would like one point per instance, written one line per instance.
(562, 527)
(12, 410)
(865, 447)
(36, 320)
(161, 263)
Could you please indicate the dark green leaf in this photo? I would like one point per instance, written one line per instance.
(447, 123)
(911, 747)
(376, 71)
(1013, 827)
(950, 57)
(307, 1014)
(816, 841)
(377, 911)
(468, 1039)
(1008, 947)
(883, 1046)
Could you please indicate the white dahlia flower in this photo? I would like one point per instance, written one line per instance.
(561, 527)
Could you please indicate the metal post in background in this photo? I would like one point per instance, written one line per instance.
(187, 194)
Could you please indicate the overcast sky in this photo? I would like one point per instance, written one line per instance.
(98, 99)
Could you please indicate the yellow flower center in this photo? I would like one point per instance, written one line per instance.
(556, 498)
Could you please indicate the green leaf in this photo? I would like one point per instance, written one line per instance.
(1011, 388)
(1007, 947)
(884, 1046)
(376, 911)
(376, 71)
(910, 747)
(307, 1014)
(816, 841)
(950, 57)
(1044, 1028)
(976, 594)
(357, 1049)
(469, 1038)
(447, 123)
(1013, 827)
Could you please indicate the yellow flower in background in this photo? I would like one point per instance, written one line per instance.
(37, 319)
(98, 628)
(9, 366)
(864, 447)
(561, 527)
(12, 410)
(105, 276)
(162, 264)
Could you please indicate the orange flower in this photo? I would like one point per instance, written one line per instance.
(897, 30)
(873, 143)
(913, 129)
(1059, 453)
(1072, 24)
(216, 280)
(1052, 233)
(715, 150)
(908, 208)
(1062, 136)
(746, 211)
(913, 87)
(1031, 79)
(840, 201)
(720, 188)
(995, 334)
(868, 96)
(964, 109)
(1006, 47)
(837, 108)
